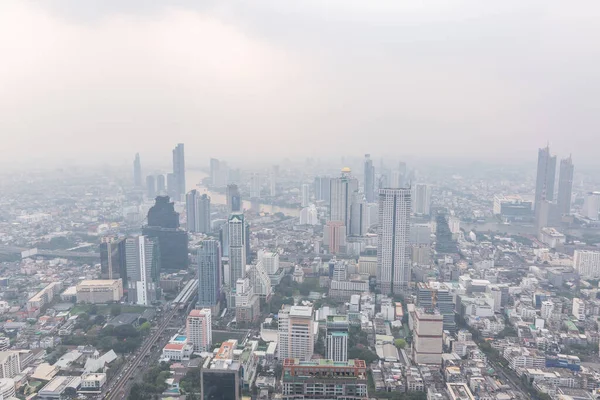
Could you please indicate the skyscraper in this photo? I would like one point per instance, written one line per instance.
(341, 191)
(234, 199)
(546, 172)
(565, 186)
(444, 243)
(254, 186)
(163, 224)
(236, 230)
(337, 338)
(214, 171)
(305, 192)
(427, 337)
(112, 259)
(322, 188)
(209, 271)
(295, 332)
(197, 212)
(179, 170)
(359, 217)
(421, 199)
(143, 269)
(393, 255)
(172, 186)
(273, 178)
(137, 171)
(150, 187)
(369, 179)
(161, 188)
(198, 329)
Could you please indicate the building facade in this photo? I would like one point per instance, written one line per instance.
(337, 338)
(199, 329)
(143, 269)
(295, 332)
(99, 291)
(209, 271)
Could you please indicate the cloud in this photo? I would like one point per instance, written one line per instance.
(259, 81)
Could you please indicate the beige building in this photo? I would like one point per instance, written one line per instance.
(99, 291)
(10, 366)
(427, 334)
(296, 332)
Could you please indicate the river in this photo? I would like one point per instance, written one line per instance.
(193, 180)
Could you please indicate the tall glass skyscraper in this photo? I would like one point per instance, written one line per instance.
(546, 173)
(179, 172)
(369, 179)
(137, 171)
(393, 254)
(209, 273)
(565, 186)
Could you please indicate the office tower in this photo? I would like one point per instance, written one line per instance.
(295, 332)
(427, 337)
(221, 375)
(578, 309)
(337, 338)
(328, 380)
(172, 186)
(421, 199)
(322, 188)
(112, 259)
(254, 186)
(393, 253)
(137, 171)
(10, 364)
(565, 186)
(270, 261)
(305, 195)
(334, 237)
(161, 188)
(591, 205)
(340, 196)
(236, 231)
(163, 224)
(273, 178)
(247, 303)
(369, 183)
(435, 296)
(234, 199)
(587, 263)
(444, 243)
(198, 212)
(309, 215)
(359, 216)
(179, 171)
(546, 171)
(214, 171)
(143, 269)
(199, 330)
(547, 309)
(209, 273)
(260, 280)
(150, 187)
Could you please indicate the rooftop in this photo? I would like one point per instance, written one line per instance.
(301, 311)
(199, 313)
(98, 282)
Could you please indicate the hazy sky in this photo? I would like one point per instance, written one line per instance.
(259, 80)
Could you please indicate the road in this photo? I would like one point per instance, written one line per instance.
(50, 253)
(515, 385)
(118, 389)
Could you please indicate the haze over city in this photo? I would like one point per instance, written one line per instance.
(97, 81)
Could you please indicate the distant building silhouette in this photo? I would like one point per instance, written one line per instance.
(137, 171)
(179, 171)
(113, 260)
(150, 187)
(161, 187)
(163, 224)
(369, 182)
(444, 243)
(546, 173)
(197, 212)
(565, 186)
(233, 198)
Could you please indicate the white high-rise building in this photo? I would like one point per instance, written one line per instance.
(237, 252)
(547, 309)
(591, 205)
(197, 210)
(579, 309)
(305, 194)
(296, 333)
(255, 186)
(199, 329)
(427, 336)
(587, 263)
(10, 365)
(340, 197)
(260, 280)
(337, 338)
(421, 199)
(309, 215)
(393, 252)
(143, 269)
(270, 261)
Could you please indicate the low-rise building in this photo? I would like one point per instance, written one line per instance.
(100, 291)
(178, 351)
(92, 383)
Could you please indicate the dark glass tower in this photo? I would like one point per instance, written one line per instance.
(234, 199)
(443, 236)
(112, 259)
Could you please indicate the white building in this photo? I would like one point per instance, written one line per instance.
(340, 197)
(199, 329)
(100, 291)
(591, 205)
(305, 191)
(421, 199)
(92, 383)
(295, 333)
(142, 260)
(309, 215)
(7, 388)
(10, 365)
(178, 351)
(270, 261)
(393, 253)
(578, 309)
(337, 338)
(552, 237)
(587, 263)
(547, 309)
(44, 296)
(237, 253)
(260, 280)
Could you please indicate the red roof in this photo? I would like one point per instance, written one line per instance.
(174, 346)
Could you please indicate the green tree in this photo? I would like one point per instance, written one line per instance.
(400, 343)
(115, 310)
(144, 329)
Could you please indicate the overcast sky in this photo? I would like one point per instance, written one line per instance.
(259, 80)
